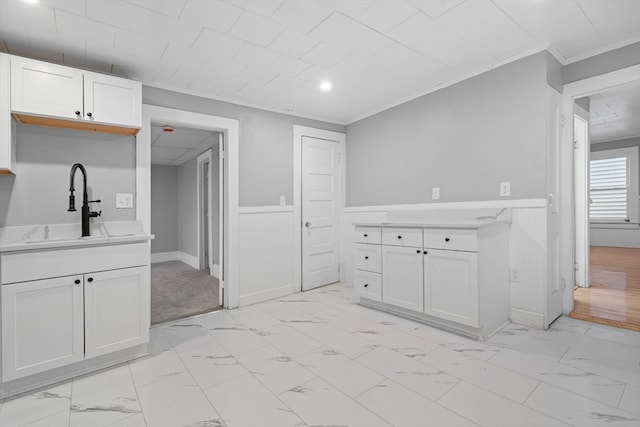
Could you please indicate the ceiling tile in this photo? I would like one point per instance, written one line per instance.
(122, 15)
(162, 27)
(301, 15)
(435, 8)
(409, 62)
(160, 162)
(208, 143)
(325, 55)
(211, 42)
(213, 14)
(350, 8)
(257, 75)
(288, 66)
(384, 15)
(255, 29)
(293, 43)
(144, 49)
(77, 7)
(622, 20)
(81, 61)
(57, 42)
(156, 131)
(17, 14)
(191, 154)
(180, 138)
(28, 50)
(257, 56)
(167, 152)
(263, 8)
(351, 66)
(95, 33)
(172, 8)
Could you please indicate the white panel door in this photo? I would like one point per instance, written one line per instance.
(116, 310)
(113, 100)
(42, 326)
(320, 192)
(402, 275)
(46, 89)
(451, 285)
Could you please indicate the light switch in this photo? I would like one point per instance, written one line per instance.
(124, 200)
(435, 193)
(505, 189)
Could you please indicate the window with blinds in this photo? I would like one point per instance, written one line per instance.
(609, 189)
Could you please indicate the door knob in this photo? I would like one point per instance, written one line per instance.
(307, 224)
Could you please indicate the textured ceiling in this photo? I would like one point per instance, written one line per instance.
(615, 113)
(180, 146)
(273, 54)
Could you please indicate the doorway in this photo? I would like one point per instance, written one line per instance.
(607, 235)
(319, 198)
(183, 179)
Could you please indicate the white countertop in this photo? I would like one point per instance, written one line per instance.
(461, 224)
(53, 236)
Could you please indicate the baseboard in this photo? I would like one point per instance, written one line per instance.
(265, 295)
(526, 318)
(216, 271)
(190, 260)
(164, 257)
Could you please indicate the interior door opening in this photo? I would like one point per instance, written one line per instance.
(187, 184)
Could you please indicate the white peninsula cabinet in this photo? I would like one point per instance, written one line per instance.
(66, 307)
(455, 276)
(55, 95)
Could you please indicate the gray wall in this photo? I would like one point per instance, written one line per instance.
(465, 139)
(39, 192)
(188, 208)
(600, 64)
(164, 208)
(584, 102)
(612, 145)
(266, 143)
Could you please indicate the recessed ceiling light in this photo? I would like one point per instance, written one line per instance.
(325, 86)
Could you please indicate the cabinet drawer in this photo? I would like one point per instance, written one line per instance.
(405, 237)
(453, 240)
(369, 285)
(368, 235)
(368, 257)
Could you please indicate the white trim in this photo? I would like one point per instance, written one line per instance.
(264, 209)
(518, 203)
(190, 260)
(216, 271)
(572, 91)
(623, 138)
(230, 128)
(340, 138)
(206, 157)
(164, 257)
(266, 295)
(604, 49)
(527, 318)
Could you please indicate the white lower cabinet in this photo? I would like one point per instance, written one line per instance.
(42, 326)
(115, 310)
(451, 285)
(51, 323)
(402, 277)
(369, 285)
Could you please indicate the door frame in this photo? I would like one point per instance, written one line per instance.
(206, 157)
(573, 91)
(230, 128)
(298, 133)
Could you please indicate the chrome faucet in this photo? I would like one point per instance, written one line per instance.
(86, 213)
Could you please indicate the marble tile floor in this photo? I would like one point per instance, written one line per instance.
(319, 359)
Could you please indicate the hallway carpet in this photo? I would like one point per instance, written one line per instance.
(179, 291)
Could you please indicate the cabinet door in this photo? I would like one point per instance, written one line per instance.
(45, 89)
(112, 100)
(368, 285)
(7, 126)
(42, 326)
(402, 273)
(116, 310)
(451, 285)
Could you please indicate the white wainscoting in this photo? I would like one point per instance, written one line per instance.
(527, 246)
(190, 260)
(266, 253)
(617, 237)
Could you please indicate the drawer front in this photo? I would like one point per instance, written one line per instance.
(453, 240)
(368, 257)
(368, 235)
(369, 285)
(405, 237)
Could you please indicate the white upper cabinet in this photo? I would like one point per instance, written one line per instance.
(54, 95)
(7, 135)
(109, 99)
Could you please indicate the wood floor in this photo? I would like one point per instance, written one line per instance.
(614, 295)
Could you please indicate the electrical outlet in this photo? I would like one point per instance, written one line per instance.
(124, 200)
(283, 200)
(435, 193)
(515, 275)
(505, 189)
